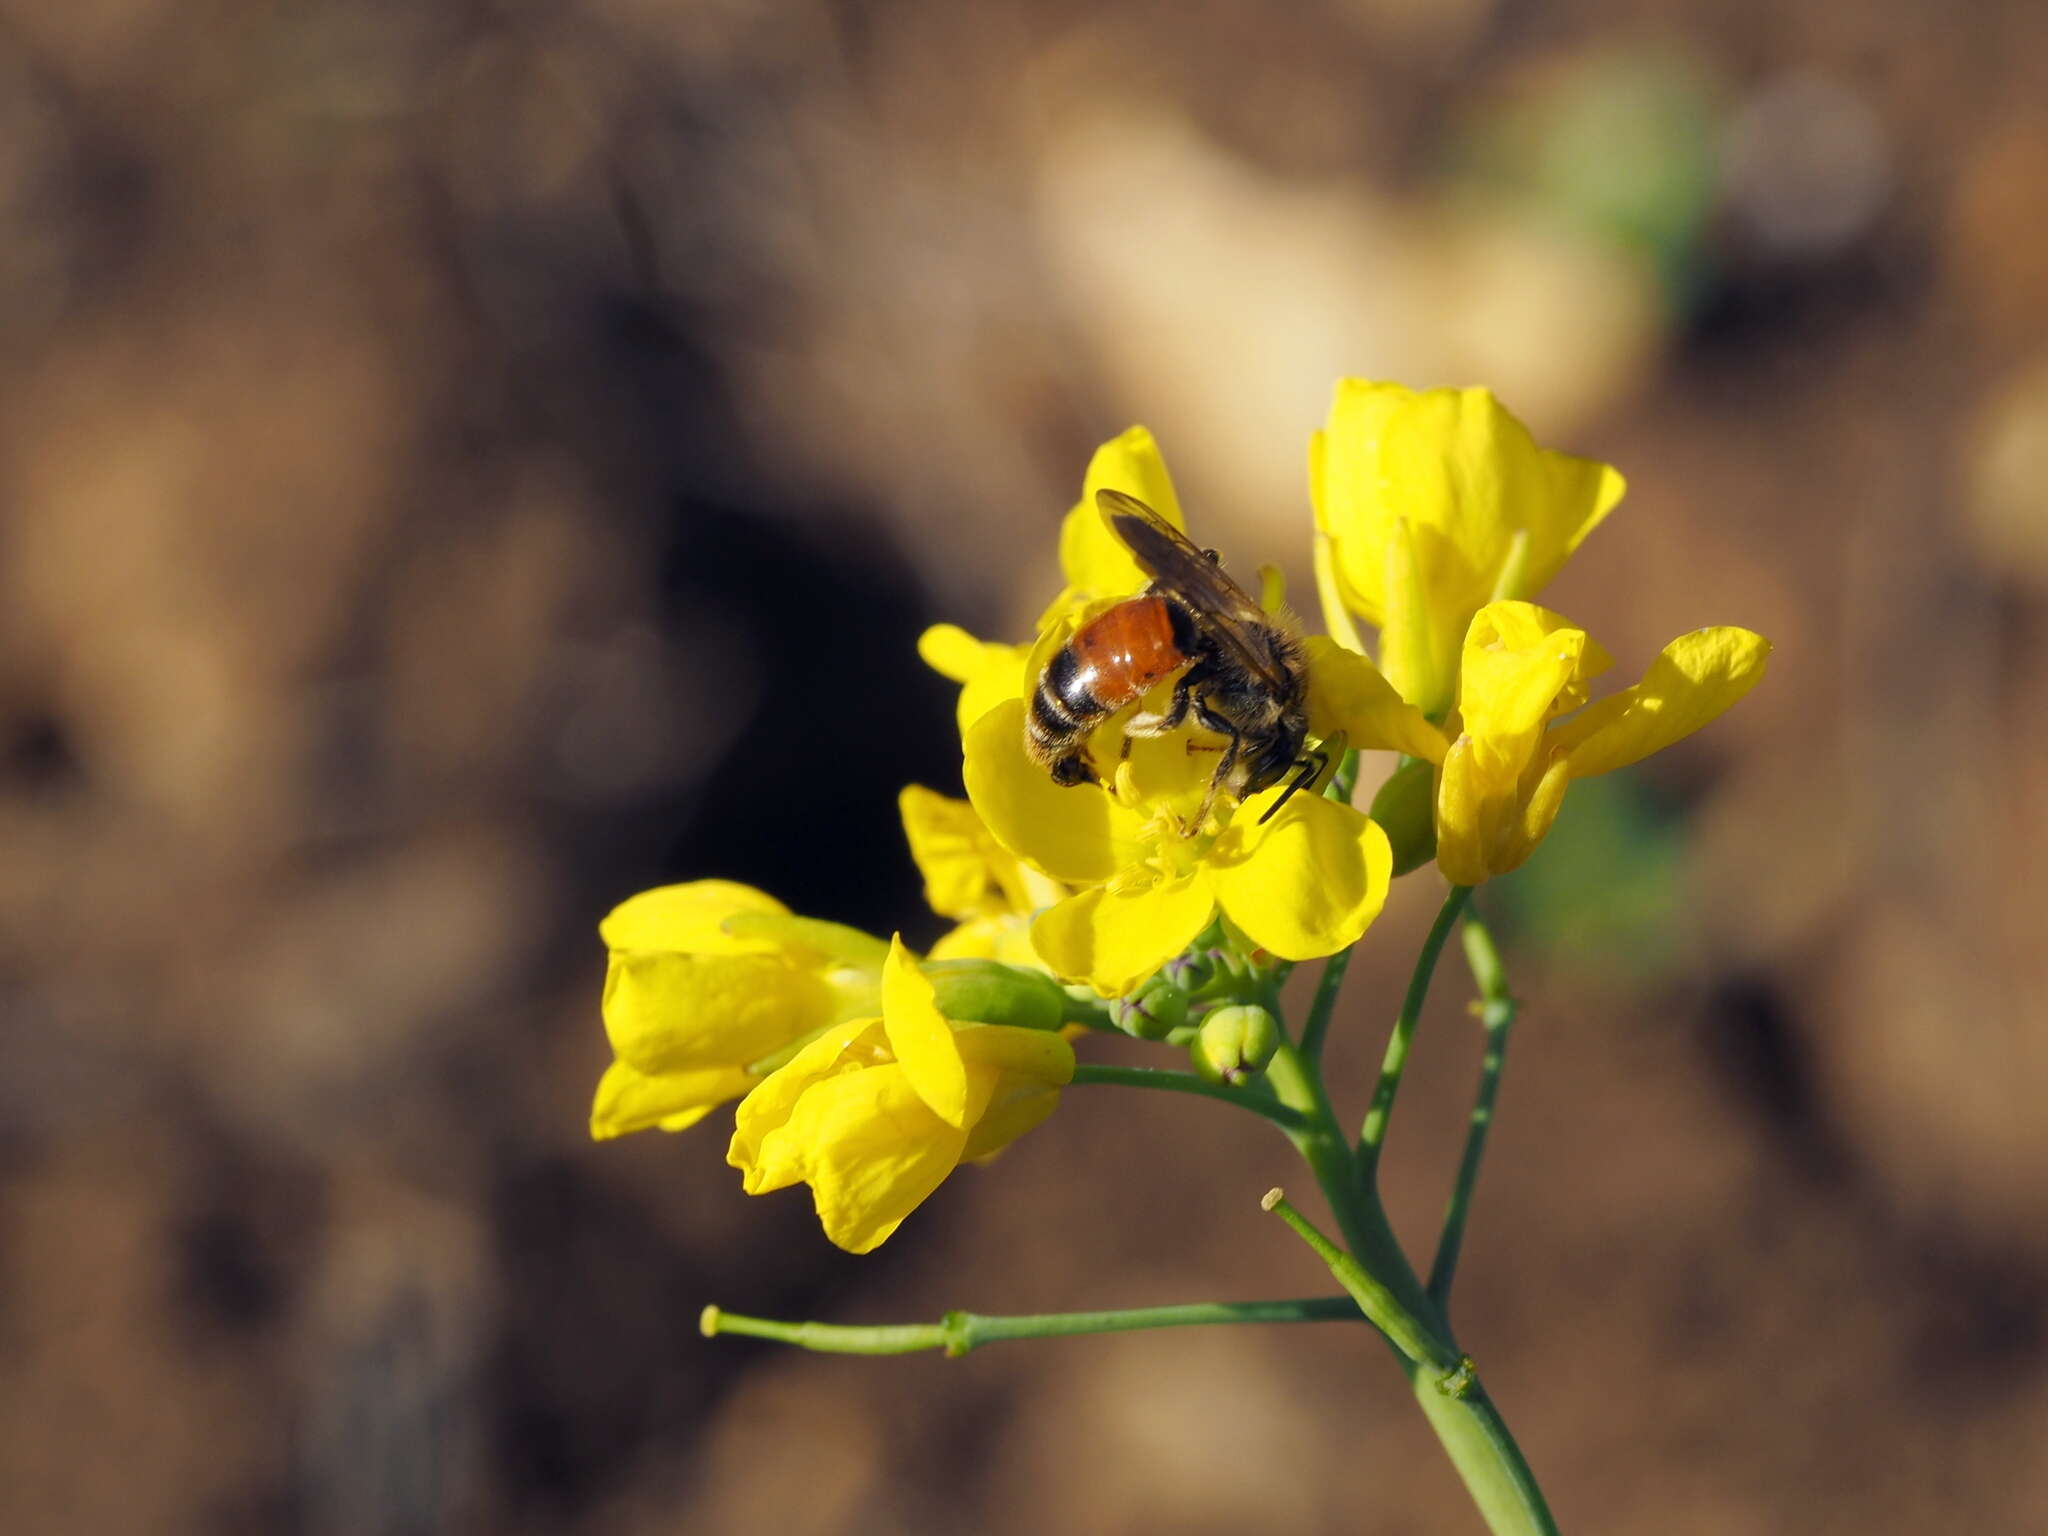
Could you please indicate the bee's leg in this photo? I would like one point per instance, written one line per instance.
(1170, 718)
(1210, 720)
(1183, 696)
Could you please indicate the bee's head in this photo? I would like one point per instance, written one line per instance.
(1268, 762)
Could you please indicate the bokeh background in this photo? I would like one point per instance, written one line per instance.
(463, 463)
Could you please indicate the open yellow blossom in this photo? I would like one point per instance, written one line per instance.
(970, 877)
(1524, 671)
(1431, 504)
(1095, 566)
(707, 980)
(875, 1112)
(1306, 882)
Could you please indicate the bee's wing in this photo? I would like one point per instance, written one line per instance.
(1224, 610)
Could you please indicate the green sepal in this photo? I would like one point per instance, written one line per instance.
(1405, 808)
(989, 992)
(1512, 581)
(1340, 768)
(1154, 1012)
(830, 941)
(783, 1057)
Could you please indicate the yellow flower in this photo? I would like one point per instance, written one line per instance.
(1430, 505)
(1095, 565)
(874, 1113)
(709, 979)
(1306, 882)
(1524, 671)
(970, 877)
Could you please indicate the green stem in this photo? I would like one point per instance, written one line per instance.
(958, 1332)
(1359, 1214)
(1324, 1004)
(1467, 1424)
(1281, 1115)
(1089, 1012)
(1372, 1137)
(1497, 1014)
(1476, 1438)
(1406, 1332)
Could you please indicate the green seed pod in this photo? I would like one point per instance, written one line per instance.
(989, 992)
(1235, 1043)
(1405, 808)
(1154, 1011)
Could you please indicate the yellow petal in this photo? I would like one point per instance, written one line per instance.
(976, 939)
(1518, 625)
(629, 1101)
(920, 1038)
(1165, 771)
(966, 871)
(1017, 1105)
(1417, 628)
(1006, 938)
(685, 918)
(1468, 812)
(950, 651)
(1541, 802)
(1519, 661)
(1483, 824)
(1347, 494)
(987, 670)
(1093, 559)
(679, 1012)
(1490, 815)
(1697, 676)
(871, 1150)
(1347, 693)
(1330, 594)
(1462, 465)
(857, 1045)
(1071, 833)
(1113, 939)
(1566, 499)
(1306, 883)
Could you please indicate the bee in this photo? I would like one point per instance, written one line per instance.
(1240, 674)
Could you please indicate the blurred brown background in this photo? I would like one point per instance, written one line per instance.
(460, 464)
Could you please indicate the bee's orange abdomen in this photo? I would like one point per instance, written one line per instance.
(1109, 662)
(1119, 654)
